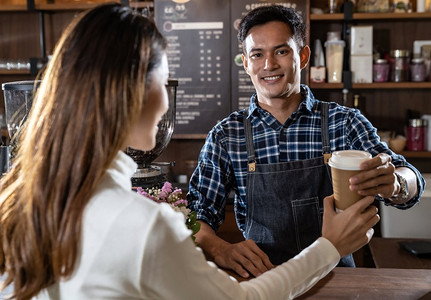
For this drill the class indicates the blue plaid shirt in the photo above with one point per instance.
(222, 165)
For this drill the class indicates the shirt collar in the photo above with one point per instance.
(253, 105)
(308, 101)
(306, 105)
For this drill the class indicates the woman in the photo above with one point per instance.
(71, 228)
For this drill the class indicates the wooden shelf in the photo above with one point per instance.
(372, 16)
(416, 154)
(13, 7)
(14, 72)
(70, 6)
(141, 4)
(326, 17)
(393, 85)
(326, 86)
(374, 85)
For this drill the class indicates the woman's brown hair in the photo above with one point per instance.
(91, 94)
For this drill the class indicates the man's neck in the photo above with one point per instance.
(282, 108)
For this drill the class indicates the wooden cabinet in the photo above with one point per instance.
(28, 35)
(30, 29)
(385, 104)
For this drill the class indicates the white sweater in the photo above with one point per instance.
(134, 248)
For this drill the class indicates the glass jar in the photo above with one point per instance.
(399, 65)
(417, 134)
(418, 69)
(334, 60)
(380, 70)
(401, 6)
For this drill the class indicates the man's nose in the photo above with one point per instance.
(270, 63)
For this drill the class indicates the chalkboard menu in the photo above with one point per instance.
(205, 57)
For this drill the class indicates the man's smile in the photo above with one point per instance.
(272, 78)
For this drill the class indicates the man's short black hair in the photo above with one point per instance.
(265, 14)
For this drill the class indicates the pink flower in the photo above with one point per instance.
(177, 191)
(144, 193)
(163, 194)
(167, 187)
(166, 194)
(181, 202)
(172, 197)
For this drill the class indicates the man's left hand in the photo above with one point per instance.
(377, 177)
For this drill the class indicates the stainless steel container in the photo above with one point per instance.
(399, 65)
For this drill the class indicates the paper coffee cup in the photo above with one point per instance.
(345, 164)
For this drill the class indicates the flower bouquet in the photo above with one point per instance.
(171, 196)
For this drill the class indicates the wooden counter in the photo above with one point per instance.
(373, 284)
(370, 284)
(387, 253)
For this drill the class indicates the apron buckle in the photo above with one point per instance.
(252, 166)
(326, 157)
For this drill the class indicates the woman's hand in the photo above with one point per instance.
(350, 229)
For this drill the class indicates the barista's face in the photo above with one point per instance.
(274, 61)
(143, 135)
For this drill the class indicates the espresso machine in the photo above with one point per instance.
(151, 174)
(18, 97)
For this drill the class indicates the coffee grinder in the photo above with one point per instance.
(151, 174)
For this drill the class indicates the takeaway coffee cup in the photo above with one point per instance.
(344, 164)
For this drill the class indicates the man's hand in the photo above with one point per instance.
(350, 229)
(244, 258)
(377, 178)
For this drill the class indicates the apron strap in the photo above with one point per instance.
(249, 143)
(324, 111)
(326, 146)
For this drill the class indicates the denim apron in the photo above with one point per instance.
(285, 200)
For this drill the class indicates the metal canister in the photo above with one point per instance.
(399, 65)
(417, 134)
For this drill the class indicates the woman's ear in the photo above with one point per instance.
(304, 55)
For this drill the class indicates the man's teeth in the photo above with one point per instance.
(271, 78)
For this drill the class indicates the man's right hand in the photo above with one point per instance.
(244, 258)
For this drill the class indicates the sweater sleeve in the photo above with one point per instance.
(173, 266)
(297, 275)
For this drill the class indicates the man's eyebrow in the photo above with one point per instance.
(281, 46)
(255, 50)
(274, 48)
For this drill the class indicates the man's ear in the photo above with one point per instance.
(244, 62)
(304, 55)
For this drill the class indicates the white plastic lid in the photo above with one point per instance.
(348, 159)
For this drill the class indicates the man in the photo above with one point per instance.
(272, 154)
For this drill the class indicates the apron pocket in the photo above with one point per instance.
(307, 216)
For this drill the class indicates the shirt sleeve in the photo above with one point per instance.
(363, 135)
(173, 267)
(211, 182)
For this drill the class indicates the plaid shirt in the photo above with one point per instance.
(222, 165)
